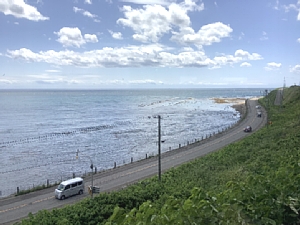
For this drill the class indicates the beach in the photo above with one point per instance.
(237, 103)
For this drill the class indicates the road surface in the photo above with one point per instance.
(13, 208)
(279, 97)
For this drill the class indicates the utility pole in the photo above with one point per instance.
(159, 150)
(92, 168)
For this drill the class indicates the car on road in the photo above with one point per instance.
(248, 129)
(259, 114)
(69, 187)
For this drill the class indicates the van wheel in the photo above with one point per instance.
(80, 192)
(62, 197)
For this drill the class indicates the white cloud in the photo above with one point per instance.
(245, 64)
(298, 40)
(148, 2)
(273, 66)
(295, 69)
(91, 38)
(71, 37)
(151, 22)
(191, 5)
(188, 4)
(239, 56)
(116, 35)
(264, 36)
(20, 9)
(6, 81)
(53, 79)
(241, 36)
(57, 81)
(53, 71)
(276, 7)
(207, 35)
(88, 2)
(187, 49)
(86, 13)
(244, 55)
(131, 56)
(289, 7)
(147, 81)
(294, 7)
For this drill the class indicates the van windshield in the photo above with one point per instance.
(61, 187)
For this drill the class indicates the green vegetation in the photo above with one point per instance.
(253, 181)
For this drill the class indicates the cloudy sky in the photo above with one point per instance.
(149, 43)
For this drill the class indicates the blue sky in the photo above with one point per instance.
(100, 44)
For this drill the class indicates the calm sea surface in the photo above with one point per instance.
(41, 132)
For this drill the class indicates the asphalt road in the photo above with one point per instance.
(279, 97)
(13, 209)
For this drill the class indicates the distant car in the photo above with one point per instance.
(258, 114)
(248, 129)
(258, 106)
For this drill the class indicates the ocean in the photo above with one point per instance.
(47, 135)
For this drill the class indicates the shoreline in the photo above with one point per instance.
(239, 104)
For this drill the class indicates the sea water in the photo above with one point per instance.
(49, 135)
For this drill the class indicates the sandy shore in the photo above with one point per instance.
(237, 103)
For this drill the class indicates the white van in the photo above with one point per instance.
(69, 187)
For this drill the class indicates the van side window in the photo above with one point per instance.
(80, 183)
(67, 187)
(74, 184)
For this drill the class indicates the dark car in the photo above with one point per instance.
(248, 129)
(258, 114)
